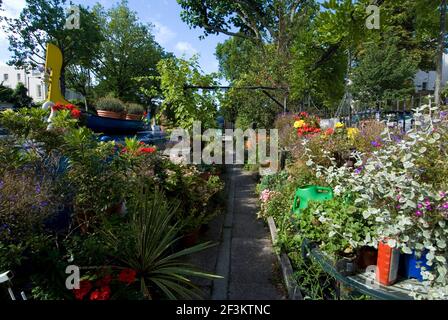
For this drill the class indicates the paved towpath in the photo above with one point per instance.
(244, 255)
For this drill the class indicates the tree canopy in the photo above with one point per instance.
(128, 52)
(42, 22)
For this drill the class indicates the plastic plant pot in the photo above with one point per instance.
(387, 264)
(412, 265)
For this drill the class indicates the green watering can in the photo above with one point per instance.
(310, 193)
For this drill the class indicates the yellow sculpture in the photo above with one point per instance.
(53, 64)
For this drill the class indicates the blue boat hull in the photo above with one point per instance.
(116, 126)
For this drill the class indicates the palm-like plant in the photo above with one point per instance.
(148, 249)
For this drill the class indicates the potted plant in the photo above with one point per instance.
(109, 107)
(134, 111)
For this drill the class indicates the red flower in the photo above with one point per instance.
(101, 294)
(124, 150)
(58, 107)
(147, 150)
(304, 114)
(70, 107)
(75, 113)
(84, 288)
(329, 131)
(127, 276)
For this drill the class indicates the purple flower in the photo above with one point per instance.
(445, 206)
(420, 206)
(359, 170)
(442, 194)
(43, 204)
(398, 207)
(443, 114)
(37, 189)
(418, 213)
(376, 144)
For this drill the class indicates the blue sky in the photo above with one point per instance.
(169, 30)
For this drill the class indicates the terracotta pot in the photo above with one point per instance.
(110, 114)
(191, 238)
(367, 256)
(134, 117)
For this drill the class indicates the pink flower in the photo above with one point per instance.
(418, 213)
(265, 195)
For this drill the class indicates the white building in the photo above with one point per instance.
(426, 81)
(33, 81)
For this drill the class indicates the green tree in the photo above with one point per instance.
(42, 22)
(129, 52)
(385, 71)
(183, 102)
(20, 96)
(6, 94)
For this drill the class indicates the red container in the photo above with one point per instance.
(387, 264)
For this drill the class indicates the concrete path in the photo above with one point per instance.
(244, 256)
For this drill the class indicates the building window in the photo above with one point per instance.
(424, 86)
(5, 77)
(19, 77)
(39, 91)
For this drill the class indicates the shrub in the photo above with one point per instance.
(25, 201)
(110, 104)
(146, 247)
(135, 109)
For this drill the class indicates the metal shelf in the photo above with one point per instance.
(364, 282)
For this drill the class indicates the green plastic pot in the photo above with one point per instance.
(310, 193)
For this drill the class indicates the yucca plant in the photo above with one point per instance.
(149, 248)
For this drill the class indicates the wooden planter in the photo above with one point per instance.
(111, 114)
(134, 117)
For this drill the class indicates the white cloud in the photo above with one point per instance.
(185, 48)
(163, 34)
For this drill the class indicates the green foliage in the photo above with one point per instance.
(128, 52)
(183, 105)
(42, 22)
(110, 104)
(6, 94)
(135, 109)
(384, 72)
(146, 248)
(20, 96)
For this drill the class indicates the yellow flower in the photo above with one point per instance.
(339, 125)
(352, 133)
(299, 124)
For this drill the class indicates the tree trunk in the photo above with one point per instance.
(62, 80)
(440, 51)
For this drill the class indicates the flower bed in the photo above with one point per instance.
(117, 212)
(388, 186)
